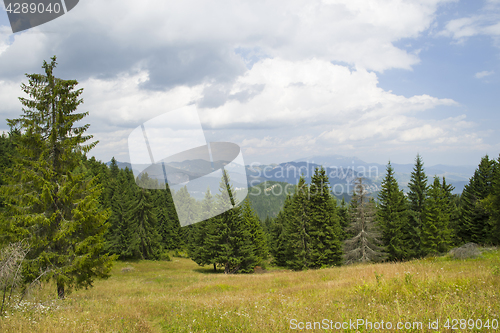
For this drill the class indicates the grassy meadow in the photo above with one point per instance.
(180, 296)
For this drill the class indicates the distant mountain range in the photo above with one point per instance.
(458, 176)
(341, 170)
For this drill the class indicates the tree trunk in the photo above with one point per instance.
(215, 267)
(60, 290)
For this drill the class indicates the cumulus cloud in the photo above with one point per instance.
(264, 74)
(310, 93)
(480, 75)
(485, 22)
(290, 108)
(193, 41)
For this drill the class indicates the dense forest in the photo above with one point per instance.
(78, 214)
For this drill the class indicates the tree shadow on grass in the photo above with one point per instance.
(207, 270)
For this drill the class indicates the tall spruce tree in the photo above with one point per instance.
(53, 202)
(279, 241)
(226, 239)
(188, 209)
(417, 196)
(7, 152)
(474, 218)
(366, 244)
(343, 212)
(258, 236)
(168, 223)
(238, 252)
(452, 212)
(142, 237)
(324, 223)
(120, 198)
(204, 242)
(492, 204)
(435, 229)
(392, 216)
(298, 239)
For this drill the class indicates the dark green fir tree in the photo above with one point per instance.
(258, 236)
(53, 202)
(392, 217)
(298, 239)
(324, 224)
(236, 252)
(142, 237)
(278, 239)
(435, 229)
(417, 197)
(474, 218)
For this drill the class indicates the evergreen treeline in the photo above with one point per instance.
(143, 223)
(394, 226)
(312, 230)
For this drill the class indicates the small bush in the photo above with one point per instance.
(466, 251)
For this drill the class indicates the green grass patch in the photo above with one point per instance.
(180, 296)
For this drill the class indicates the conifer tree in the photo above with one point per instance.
(168, 223)
(236, 253)
(343, 212)
(492, 204)
(417, 198)
(120, 202)
(268, 227)
(258, 236)
(113, 174)
(143, 239)
(365, 245)
(7, 152)
(452, 211)
(204, 242)
(224, 240)
(298, 239)
(435, 229)
(188, 209)
(279, 241)
(324, 223)
(474, 218)
(49, 190)
(392, 214)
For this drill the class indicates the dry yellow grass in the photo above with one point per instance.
(179, 296)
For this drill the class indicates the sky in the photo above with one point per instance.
(377, 79)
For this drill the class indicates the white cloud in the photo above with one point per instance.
(480, 75)
(310, 93)
(486, 22)
(138, 60)
(198, 38)
(304, 106)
